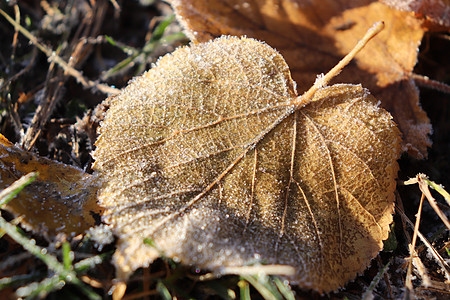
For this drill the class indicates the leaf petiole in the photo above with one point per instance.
(322, 80)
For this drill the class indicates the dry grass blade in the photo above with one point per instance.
(438, 258)
(423, 182)
(54, 90)
(51, 54)
(413, 255)
(259, 269)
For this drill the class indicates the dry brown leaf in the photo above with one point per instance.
(438, 11)
(313, 35)
(209, 155)
(61, 200)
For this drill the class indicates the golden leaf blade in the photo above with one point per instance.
(206, 155)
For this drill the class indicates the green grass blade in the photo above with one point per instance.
(122, 65)
(18, 280)
(155, 40)
(161, 28)
(40, 289)
(174, 37)
(63, 271)
(30, 246)
(369, 293)
(10, 192)
(163, 290)
(244, 290)
(90, 262)
(284, 288)
(67, 256)
(440, 189)
(264, 286)
(51, 261)
(125, 48)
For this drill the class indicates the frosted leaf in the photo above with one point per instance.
(207, 155)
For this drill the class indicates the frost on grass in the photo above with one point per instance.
(207, 156)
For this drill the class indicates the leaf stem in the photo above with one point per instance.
(322, 80)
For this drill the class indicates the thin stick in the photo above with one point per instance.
(322, 81)
(412, 252)
(425, 81)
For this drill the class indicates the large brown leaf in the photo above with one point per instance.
(438, 11)
(313, 35)
(209, 155)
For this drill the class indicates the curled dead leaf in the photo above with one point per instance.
(313, 35)
(62, 199)
(209, 155)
